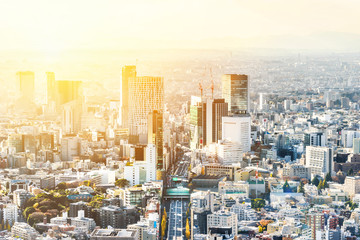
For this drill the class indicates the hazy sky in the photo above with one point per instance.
(47, 25)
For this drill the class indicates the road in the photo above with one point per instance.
(177, 215)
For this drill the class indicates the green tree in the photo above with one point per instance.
(257, 203)
(62, 186)
(286, 187)
(121, 183)
(325, 184)
(35, 217)
(28, 211)
(315, 181)
(301, 188)
(328, 177)
(350, 172)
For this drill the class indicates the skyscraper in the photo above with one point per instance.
(215, 110)
(67, 91)
(69, 101)
(51, 91)
(196, 116)
(26, 81)
(146, 94)
(206, 120)
(155, 136)
(235, 91)
(128, 73)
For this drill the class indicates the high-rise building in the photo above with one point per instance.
(212, 124)
(238, 129)
(51, 89)
(150, 157)
(356, 145)
(155, 136)
(26, 81)
(67, 91)
(196, 122)
(314, 139)
(315, 221)
(69, 101)
(146, 94)
(348, 136)
(235, 91)
(320, 160)
(206, 120)
(128, 73)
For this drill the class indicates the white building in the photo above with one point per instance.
(150, 158)
(320, 160)
(24, 231)
(296, 170)
(223, 219)
(244, 212)
(238, 129)
(10, 213)
(229, 152)
(135, 173)
(352, 185)
(348, 136)
(356, 145)
(80, 222)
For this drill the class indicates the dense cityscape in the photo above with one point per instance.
(179, 120)
(223, 159)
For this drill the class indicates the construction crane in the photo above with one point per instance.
(201, 90)
(212, 84)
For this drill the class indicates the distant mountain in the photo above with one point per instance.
(320, 41)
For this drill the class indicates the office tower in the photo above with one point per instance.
(315, 221)
(348, 136)
(356, 145)
(196, 139)
(222, 221)
(26, 81)
(155, 136)
(146, 94)
(238, 129)
(69, 101)
(16, 142)
(51, 90)
(67, 91)
(235, 91)
(213, 110)
(72, 146)
(150, 157)
(287, 104)
(320, 160)
(314, 139)
(206, 120)
(117, 217)
(128, 73)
